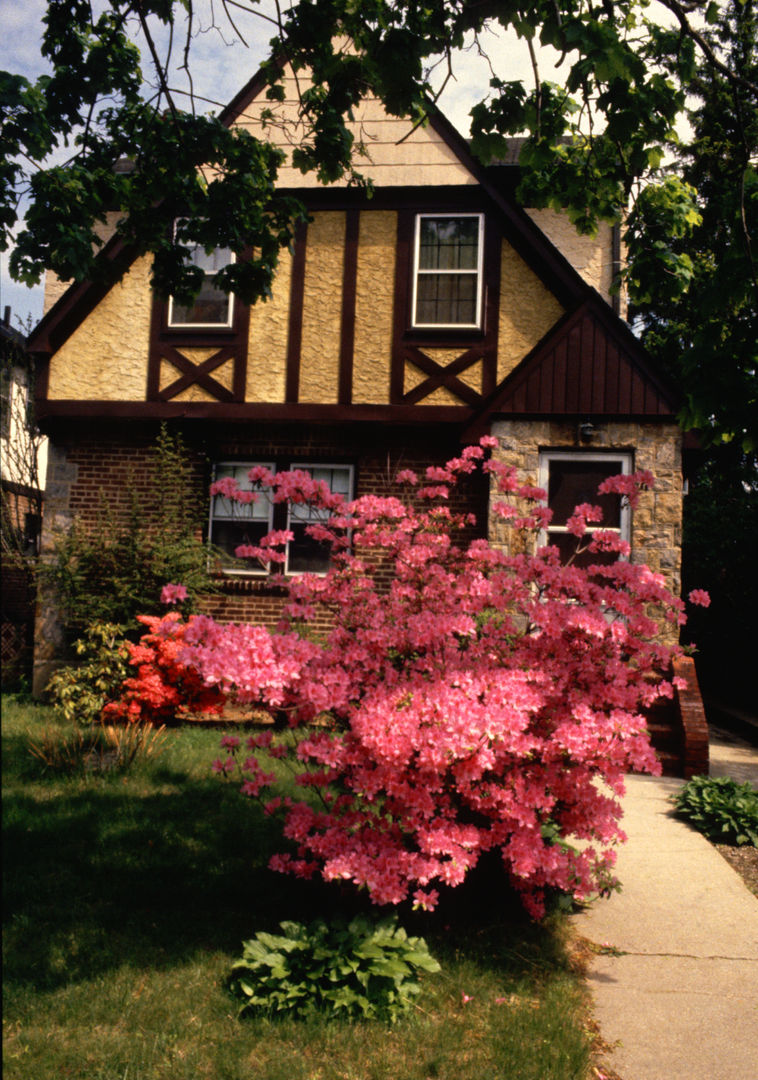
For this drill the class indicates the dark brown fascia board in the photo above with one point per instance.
(249, 91)
(537, 251)
(25, 491)
(79, 300)
(51, 411)
(616, 328)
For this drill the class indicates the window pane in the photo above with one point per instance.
(447, 243)
(212, 306)
(228, 509)
(227, 536)
(567, 545)
(574, 482)
(213, 262)
(306, 555)
(446, 299)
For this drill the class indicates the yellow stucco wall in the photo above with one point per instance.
(375, 293)
(105, 358)
(527, 311)
(267, 342)
(592, 256)
(322, 308)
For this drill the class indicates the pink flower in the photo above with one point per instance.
(173, 594)
(701, 597)
(407, 476)
(465, 998)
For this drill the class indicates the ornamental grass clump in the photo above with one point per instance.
(361, 970)
(722, 809)
(467, 699)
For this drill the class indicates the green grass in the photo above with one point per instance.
(128, 894)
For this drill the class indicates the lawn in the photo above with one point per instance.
(128, 894)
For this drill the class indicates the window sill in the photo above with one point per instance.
(243, 583)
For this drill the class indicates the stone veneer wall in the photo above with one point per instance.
(656, 531)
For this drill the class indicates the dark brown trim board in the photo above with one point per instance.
(295, 332)
(349, 288)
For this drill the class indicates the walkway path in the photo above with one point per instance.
(680, 1002)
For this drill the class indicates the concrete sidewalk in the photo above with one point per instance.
(680, 1002)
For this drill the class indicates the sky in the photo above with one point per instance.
(222, 66)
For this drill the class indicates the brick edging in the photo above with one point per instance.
(692, 715)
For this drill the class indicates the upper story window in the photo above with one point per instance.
(212, 307)
(573, 478)
(447, 271)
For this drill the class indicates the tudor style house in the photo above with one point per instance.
(400, 327)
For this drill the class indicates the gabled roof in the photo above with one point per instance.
(589, 364)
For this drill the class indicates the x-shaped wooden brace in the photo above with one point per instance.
(442, 376)
(197, 374)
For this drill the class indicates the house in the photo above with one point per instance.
(400, 327)
(22, 472)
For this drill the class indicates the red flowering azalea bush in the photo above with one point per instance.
(467, 703)
(164, 685)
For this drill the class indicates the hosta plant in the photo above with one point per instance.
(723, 810)
(359, 970)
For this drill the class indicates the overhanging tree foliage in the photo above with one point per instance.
(707, 337)
(594, 143)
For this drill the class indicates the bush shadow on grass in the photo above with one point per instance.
(98, 877)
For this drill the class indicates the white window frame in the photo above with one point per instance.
(624, 460)
(245, 467)
(478, 273)
(201, 325)
(310, 467)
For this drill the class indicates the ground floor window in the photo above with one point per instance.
(573, 477)
(233, 524)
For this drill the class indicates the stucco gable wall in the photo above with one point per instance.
(105, 358)
(591, 256)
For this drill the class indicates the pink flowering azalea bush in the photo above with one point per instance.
(468, 702)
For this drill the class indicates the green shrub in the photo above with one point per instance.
(114, 570)
(80, 692)
(362, 970)
(720, 808)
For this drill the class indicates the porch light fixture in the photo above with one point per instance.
(587, 432)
